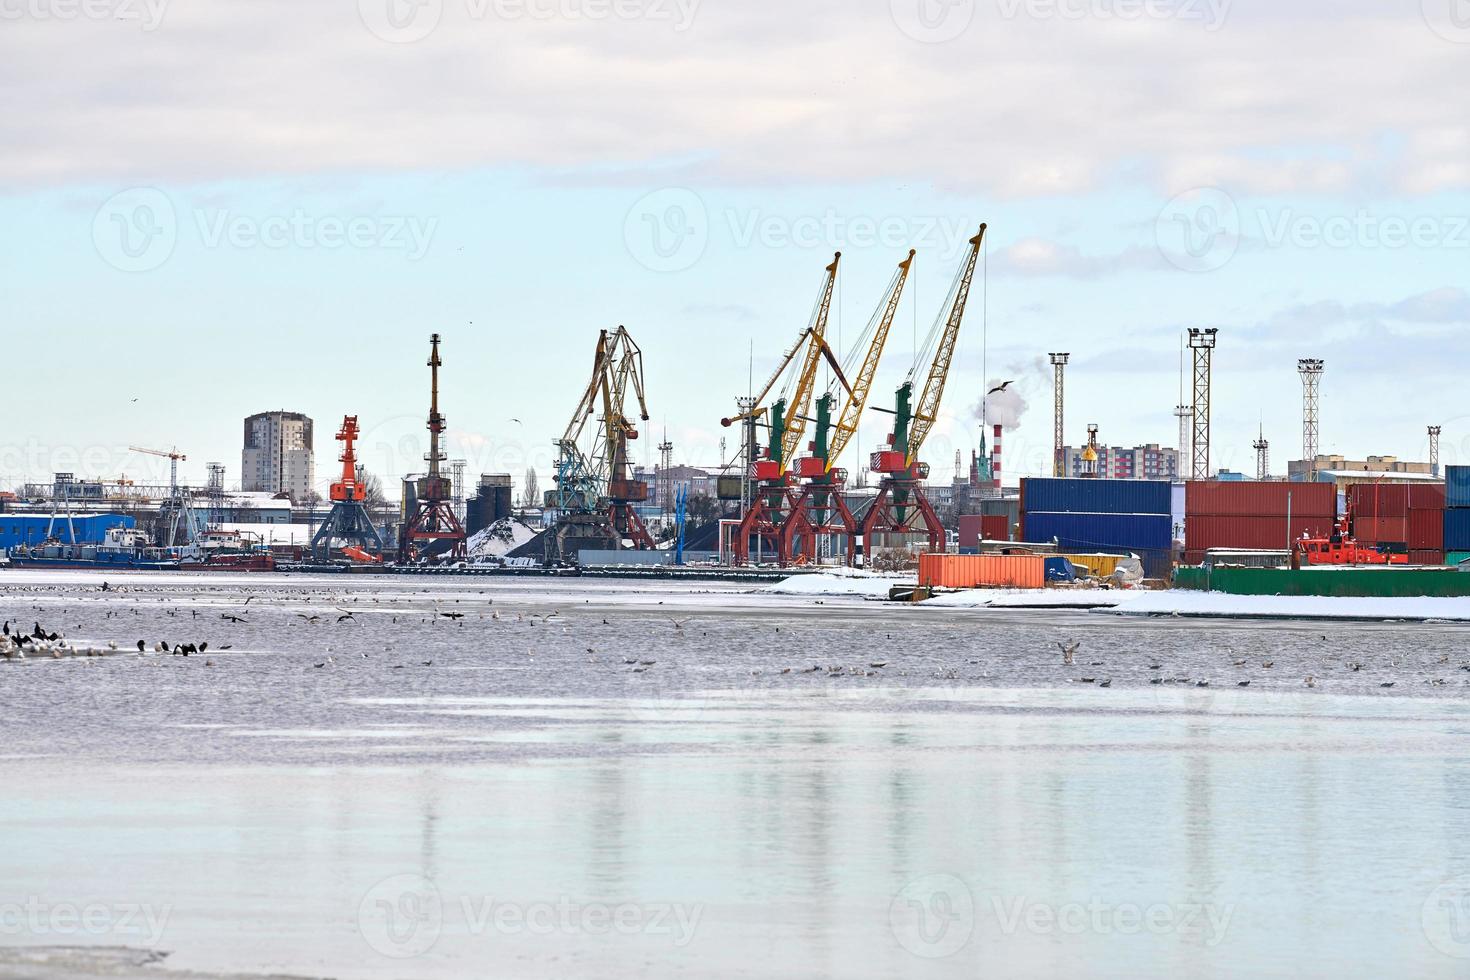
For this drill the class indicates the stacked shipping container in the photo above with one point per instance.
(1457, 509)
(1257, 516)
(1400, 518)
(1110, 516)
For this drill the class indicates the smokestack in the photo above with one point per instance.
(995, 459)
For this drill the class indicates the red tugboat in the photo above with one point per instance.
(1340, 548)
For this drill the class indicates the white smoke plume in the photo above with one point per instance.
(1006, 406)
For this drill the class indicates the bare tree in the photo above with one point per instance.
(533, 492)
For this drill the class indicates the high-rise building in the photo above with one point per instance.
(278, 455)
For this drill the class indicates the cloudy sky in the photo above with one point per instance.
(220, 207)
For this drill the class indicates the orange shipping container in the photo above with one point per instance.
(982, 571)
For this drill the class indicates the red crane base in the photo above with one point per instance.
(901, 508)
(628, 524)
(432, 520)
(765, 521)
(819, 509)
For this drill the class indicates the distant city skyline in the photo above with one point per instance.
(213, 236)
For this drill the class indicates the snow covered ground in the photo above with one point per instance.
(839, 582)
(500, 538)
(1135, 602)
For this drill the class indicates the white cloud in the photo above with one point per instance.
(758, 92)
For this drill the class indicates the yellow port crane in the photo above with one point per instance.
(786, 420)
(901, 506)
(179, 504)
(820, 508)
(594, 482)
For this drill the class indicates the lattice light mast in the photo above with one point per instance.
(1202, 343)
(1434, 449)
(1263, 456)
(1059, 366)
(1311, 371)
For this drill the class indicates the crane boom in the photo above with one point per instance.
(616, 362)
(928, 409)
(796, 410)
(857, 396)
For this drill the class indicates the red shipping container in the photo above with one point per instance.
(1393, 530)
(995, 527)
(1417, 557)
(970, 529)
(1204, 531)
(1393, 499)
(1252, 499)
(1426, 530)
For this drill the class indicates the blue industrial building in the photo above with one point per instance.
(30, 529)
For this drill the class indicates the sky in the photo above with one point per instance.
(222, 207)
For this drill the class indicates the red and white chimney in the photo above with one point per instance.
(995, 458)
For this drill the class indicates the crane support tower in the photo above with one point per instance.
(819, 510)
(1310, 369)
(595, 496)
(432, 528)
(901, 507)
(348, 527)
(1202, 342)
(1058, 415)
(774, 496)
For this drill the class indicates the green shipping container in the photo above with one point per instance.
(1455, 557)
(1326, 581)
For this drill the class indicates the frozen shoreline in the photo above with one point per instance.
(1141, 602)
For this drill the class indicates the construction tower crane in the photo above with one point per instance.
(774, 497)
(820, 508)
(179, 504)
(901, 506)
(432, 523)
(594, 492)
(348, 523)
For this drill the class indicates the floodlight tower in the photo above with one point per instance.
(1263, 456)
(1058, 436)
(1434, 431)
(1311, 371)
(1202, 342)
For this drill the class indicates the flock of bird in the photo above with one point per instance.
(43, 643)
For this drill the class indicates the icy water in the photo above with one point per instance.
(501, 792)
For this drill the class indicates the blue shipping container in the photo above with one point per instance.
(1149, 536)
(1457, 528)
(1097, 496)
(1457, 486)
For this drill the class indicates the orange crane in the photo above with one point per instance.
(431, 528)
(348, 522)
(901, 506)
(820, 508)
(786, 418)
